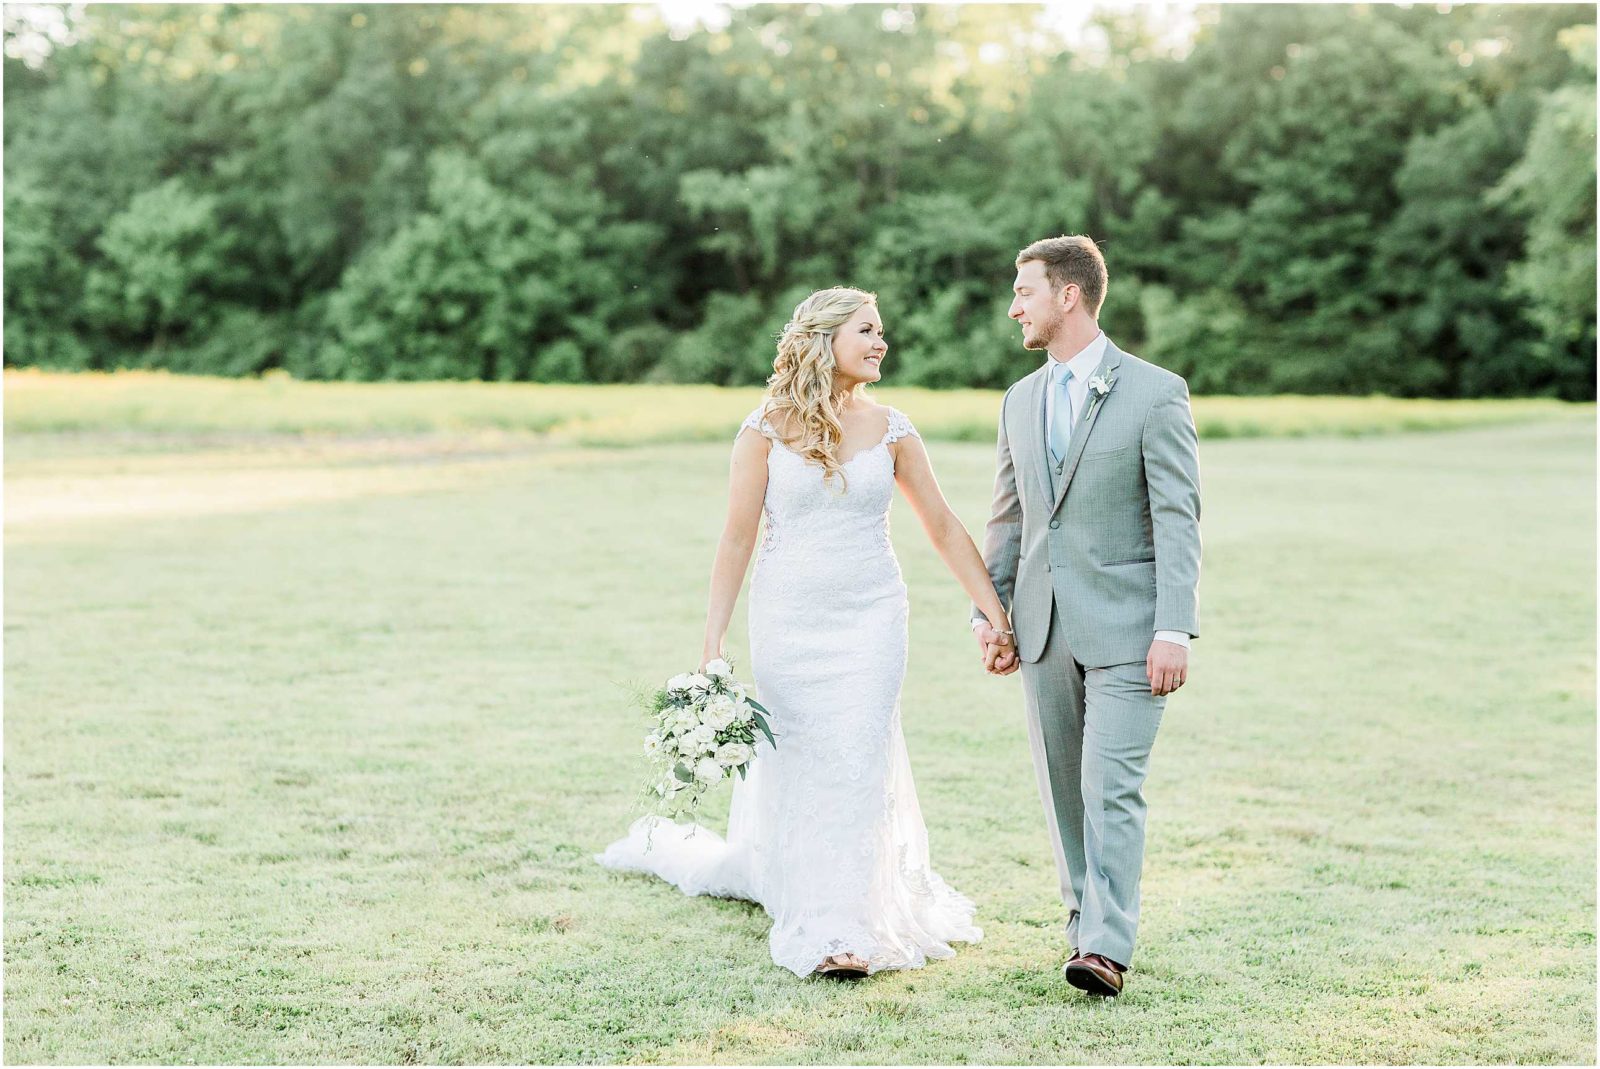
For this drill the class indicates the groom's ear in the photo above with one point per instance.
(1071, 296)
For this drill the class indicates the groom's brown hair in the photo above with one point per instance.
(1071, 258)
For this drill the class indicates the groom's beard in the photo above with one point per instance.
(1043, 334)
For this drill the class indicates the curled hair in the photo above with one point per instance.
(803, 402)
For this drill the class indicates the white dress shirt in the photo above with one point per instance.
(1083, 367)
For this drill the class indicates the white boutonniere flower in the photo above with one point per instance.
(1099, 386)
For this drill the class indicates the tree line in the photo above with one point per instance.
(1309, 199)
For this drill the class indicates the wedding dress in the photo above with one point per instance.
(825, 833)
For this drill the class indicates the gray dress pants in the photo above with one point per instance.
(1091, 731)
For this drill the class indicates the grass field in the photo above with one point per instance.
(146, 402)
(309, 741)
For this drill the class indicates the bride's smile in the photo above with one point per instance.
(859, 348)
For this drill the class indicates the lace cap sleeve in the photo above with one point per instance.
(899, 426)
(757, 421)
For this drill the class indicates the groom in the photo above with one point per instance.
(1094, 542)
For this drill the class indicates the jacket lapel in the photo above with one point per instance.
(1040, 439)
(1085, 427)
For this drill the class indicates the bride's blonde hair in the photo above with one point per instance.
(802, 401)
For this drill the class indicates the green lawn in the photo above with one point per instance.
(309, 742)
(147, 402)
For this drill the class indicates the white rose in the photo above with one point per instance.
(699, 682)
(679, 682)
(733, 754)
(652, 745)
(719, 667)
(688, 745)
(704, 737)
(746, 713)
(708, 771)
(720, 712)
(685, 720)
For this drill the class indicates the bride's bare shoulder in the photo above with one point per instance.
(784, 422)
(870, 413)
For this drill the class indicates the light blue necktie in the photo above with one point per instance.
(1061, 425)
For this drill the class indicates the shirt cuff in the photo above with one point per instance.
(1179, 637)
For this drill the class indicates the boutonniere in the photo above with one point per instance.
(1100, 385)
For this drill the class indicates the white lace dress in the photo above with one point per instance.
(825, 833)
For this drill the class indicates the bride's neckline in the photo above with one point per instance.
(881, 443)
(859, 453)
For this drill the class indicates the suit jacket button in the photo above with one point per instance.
(1054, 524)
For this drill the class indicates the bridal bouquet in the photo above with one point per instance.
(706, 726)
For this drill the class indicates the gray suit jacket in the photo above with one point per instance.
(1116, 548)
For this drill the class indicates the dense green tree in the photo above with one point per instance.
(1302, 197)
(1441, 262)
(1553, 184)
(158, 256)
(483, 284)
(44, 278)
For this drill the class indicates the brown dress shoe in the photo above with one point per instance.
(1096, 974)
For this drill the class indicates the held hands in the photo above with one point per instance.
(999, 651)
(1166, 666)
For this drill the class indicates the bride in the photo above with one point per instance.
(825, 832)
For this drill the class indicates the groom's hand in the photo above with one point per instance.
(1166, 666)
(999, 655)
(1001, 660)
